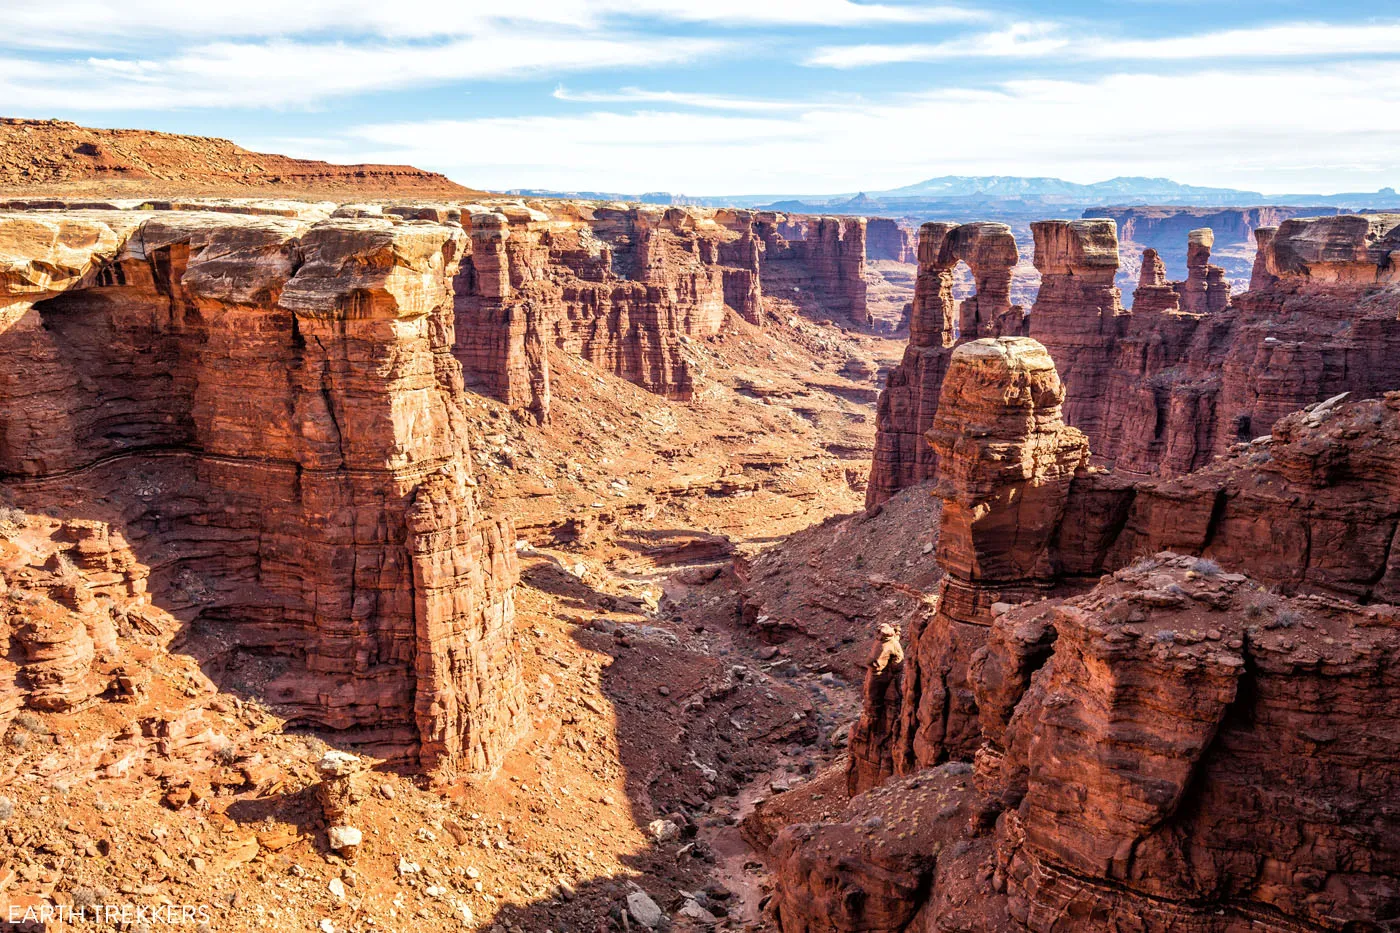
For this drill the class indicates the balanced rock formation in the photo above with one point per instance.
(1190, 370)
(1200, 743)
(269, 413)
(1007, 463)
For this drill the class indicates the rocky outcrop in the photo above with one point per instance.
(1312, 508)
(68, 589)
(1198, 754)
(1078, 314)
(270, 413)
(1201, 741)
(1167, 230)
(1190, 370)
(889, 239)
(1007, 462)
(938, 322)
(620, 291)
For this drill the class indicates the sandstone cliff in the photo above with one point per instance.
(1166, 229)
(819, 262)
(938, 322)
(1198, 743)
(889, 239)
(1007, 462)
(623, 288)
(269, 412)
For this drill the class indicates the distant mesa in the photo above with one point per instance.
(58, 157)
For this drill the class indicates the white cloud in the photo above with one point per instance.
(103, 24)
(1042, 40)
(634, 95)
(298, 74)
(1299, 39)
(1081, 130)
(795, 12)
(1027, 40)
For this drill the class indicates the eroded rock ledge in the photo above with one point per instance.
(1203, 739)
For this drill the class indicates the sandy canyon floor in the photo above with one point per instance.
(692, 645)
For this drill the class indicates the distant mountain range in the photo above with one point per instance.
(1015, 186)
(994, 196)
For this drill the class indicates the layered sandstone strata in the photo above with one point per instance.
(270, 413)
(889, 239)
(1166, 230)
(1190, 369)
(59, 155)
(1175, 750)
(1313, 508)
(817, 262)
(1200, 743)
(623, 287)
(1078, 312)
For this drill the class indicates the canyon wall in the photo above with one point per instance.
(889, 239)
(57, 156)
(617, 287)
(816, 262)
(1200, 740)
(622, 287)
(1168, 227)
(1190, 369)
(268, 414)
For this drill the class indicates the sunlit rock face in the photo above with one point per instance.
(1155, 704)
(267, 411)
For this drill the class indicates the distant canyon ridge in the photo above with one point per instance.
(1154, 213)
(66, 159)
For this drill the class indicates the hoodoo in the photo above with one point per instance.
(1189, 370)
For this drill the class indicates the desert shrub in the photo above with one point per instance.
(1287, 618)
(1144, 563)
(31, 723)
(1205, 567)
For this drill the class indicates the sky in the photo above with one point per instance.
(741, 97)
